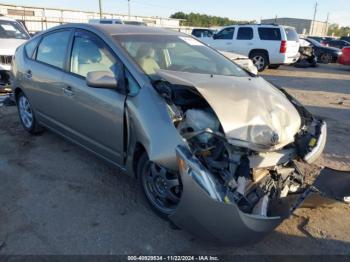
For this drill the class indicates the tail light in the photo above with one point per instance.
(283, 47)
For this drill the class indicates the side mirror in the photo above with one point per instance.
(102, 79)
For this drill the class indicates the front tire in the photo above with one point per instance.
(161, 189)
(260, 60)
(26, 114)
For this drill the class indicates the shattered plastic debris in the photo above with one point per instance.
(262, 206)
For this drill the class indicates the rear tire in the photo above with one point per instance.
(26, 115)
(326, 58)
(161, 189)
(260, 60)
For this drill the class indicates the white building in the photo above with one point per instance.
(40, 18)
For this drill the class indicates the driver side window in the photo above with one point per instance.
(226, 33)
(89, 55)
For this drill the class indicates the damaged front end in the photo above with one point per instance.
(236, 191)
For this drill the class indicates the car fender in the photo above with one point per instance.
(150, 125)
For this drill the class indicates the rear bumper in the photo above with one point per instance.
(284, 59)
(291, 59)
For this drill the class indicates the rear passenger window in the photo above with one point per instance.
(52, 49)
(30, 46)
(226, 33)
(245, 33)
(267, 33)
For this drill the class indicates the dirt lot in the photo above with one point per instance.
(55, 198)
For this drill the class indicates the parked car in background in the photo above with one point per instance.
(106, 21)
(134, 22)
(12, 35)
(307, 55)
(242, 61)
(214, 149)
(345, 38)
(116, 21)
(338, 43)
(203, 32)
(344, 59)
(324, 54)
(266, 44)
(322, 40)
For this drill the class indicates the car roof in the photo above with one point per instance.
(264, 25)
(5, 18)
(118, 29)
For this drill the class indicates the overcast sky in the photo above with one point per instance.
(235, 9)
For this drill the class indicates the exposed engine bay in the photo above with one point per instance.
(255, 181)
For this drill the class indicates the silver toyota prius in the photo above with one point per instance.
(214, 147)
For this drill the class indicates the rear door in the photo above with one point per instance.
(44, 71)
(94, 116)
(243, 42)
(271, 38)
(292, 42)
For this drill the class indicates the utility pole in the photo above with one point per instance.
(100, 7)
(129, 9)
(313, 21)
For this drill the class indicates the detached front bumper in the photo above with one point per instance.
(200, 214)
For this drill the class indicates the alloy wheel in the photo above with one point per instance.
(25, 112)
(162, 188)
(259, 62)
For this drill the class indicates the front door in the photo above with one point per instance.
(223, 40)
(93, 116)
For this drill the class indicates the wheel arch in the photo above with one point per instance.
(16, 92)
(259, 50)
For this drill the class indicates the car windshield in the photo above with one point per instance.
(12, 29)
(176, 53)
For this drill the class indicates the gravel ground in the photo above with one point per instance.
(56, 198)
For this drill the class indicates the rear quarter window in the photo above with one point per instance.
(30, 47)
(291, 34)
(269, 33)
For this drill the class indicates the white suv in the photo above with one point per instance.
(266, 44)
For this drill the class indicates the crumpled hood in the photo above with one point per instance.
(8, 46)
(252, 112)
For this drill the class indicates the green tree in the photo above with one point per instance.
(336, 30)
(203, 20)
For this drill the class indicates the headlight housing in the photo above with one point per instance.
(189, 165)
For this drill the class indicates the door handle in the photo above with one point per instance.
(68, 91)
(28, 74)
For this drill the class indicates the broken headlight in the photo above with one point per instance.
(189, 165)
